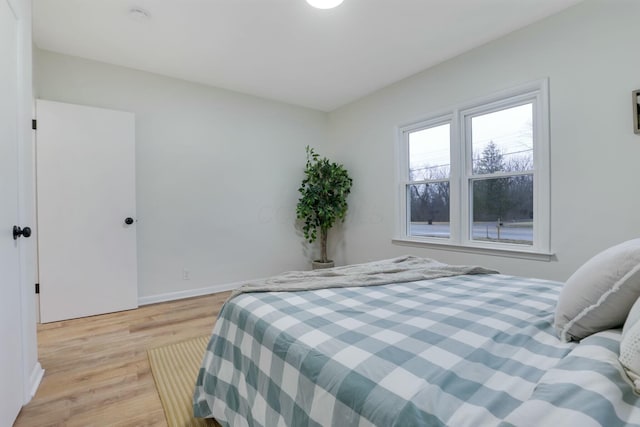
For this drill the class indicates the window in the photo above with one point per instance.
(428, 186)
(477, 176)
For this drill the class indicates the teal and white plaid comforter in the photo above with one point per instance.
(456, 351)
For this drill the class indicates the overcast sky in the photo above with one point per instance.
(509, 129)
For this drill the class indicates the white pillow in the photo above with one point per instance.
(600, 293)
(630, 345)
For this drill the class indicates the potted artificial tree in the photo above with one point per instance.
(323, 200)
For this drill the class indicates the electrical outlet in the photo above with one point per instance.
(186, 274)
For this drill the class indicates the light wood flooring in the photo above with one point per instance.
(96, 369)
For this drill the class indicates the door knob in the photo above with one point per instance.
(17, 232)
(128, 220)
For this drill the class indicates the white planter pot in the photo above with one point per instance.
(317, 265)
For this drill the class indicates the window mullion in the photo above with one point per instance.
(480, 177)
(466, 163)
(457, 167)
(427, 181)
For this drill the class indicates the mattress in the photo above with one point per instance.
(467, 350)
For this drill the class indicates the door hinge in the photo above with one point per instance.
(34, 124)
(37, 288)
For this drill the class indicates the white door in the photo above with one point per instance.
(86, 196)
(11, 383)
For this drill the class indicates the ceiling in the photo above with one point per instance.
(283, 50)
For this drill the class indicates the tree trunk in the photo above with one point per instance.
(323, 245)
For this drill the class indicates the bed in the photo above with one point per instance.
(431, 346)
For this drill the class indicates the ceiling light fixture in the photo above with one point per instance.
(139, 14)
(324, 4)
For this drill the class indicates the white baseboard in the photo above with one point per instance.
(172, 296)
(37, 373)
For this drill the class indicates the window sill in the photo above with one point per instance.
(492, 251)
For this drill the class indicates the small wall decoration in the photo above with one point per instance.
(635, 100)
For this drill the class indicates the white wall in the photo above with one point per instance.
(217, 172)
(589, 52)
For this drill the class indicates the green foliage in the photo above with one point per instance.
(491, 196)
(509, 198)
(323, 199)
(491, 161)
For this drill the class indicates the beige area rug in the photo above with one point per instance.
(175, 369)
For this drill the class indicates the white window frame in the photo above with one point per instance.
(460, 179)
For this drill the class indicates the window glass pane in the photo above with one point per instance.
(429, 209)
(502, 141)
(503, 209)
(429, 153)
